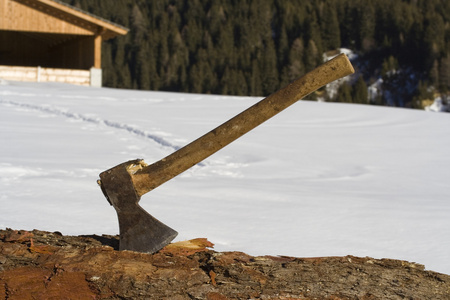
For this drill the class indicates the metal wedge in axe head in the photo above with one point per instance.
(124, 184)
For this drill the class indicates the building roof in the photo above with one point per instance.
(114, 27)
(76, 20)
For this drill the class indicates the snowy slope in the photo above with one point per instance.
(319, 179)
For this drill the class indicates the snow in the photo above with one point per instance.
(437, 106)
(319, 179)
(375, 90)
(350, 54)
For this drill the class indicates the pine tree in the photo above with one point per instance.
(124, 79)
(226, 50)
(270, 82)
(296, 66)
(178, 59)
(359, 92)
(226, 82)
(366, 21)
(331, 34)
(434, 37)
(422, 93)
(434, 73)
(138, 24)
(241, 84)
(389, 64)
(311, 56)
(312, 34)
(444, 73)
(344, 94)
(143, 69)
(109, 76)
(283, 48)
(255, 82)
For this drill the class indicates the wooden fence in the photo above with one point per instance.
(90, 77)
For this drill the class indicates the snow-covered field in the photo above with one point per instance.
(319, 179)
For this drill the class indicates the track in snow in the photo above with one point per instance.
(93, 120)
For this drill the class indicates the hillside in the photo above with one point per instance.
(252, 48)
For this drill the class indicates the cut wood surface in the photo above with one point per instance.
(43, 265)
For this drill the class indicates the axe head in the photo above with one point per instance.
(139, 231)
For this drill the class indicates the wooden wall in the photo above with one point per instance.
(26, 15)
(38, 74)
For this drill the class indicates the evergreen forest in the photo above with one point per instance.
(254, 47)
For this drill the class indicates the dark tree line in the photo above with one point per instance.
(254, 47)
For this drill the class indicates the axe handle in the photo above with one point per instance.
(151, 176)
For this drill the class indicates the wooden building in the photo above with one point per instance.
(48, 40)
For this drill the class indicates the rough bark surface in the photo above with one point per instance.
(44, 265)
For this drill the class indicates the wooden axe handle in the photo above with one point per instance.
(147, 177)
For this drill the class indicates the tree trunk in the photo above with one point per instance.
(43, 265)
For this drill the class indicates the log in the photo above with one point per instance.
(44, 265)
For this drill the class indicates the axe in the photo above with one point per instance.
(124, 184)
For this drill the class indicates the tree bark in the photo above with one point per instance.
(44, 265)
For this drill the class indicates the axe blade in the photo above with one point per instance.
(139, 231)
